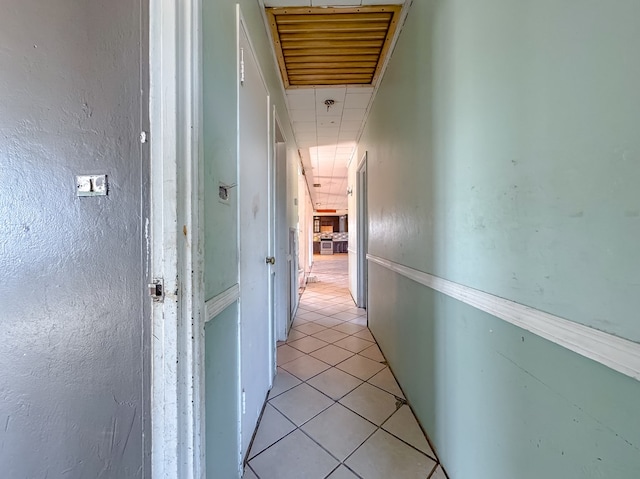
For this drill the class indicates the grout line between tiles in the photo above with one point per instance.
(314, 300)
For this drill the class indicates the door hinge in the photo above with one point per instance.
(156, 290)
(242, 66)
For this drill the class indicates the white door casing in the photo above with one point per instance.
(363, 230)
(174, 235)
(281, 244)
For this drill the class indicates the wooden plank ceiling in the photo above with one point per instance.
(332, 46)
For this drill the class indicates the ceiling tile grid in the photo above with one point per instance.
(326, 136)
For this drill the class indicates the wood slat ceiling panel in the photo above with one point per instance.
(326, 59)
(332, 46)
(335, 53)
(339, 45)
(333, 36)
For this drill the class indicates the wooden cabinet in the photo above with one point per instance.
(321, 224)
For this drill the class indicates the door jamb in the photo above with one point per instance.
(362, 229)
(279, 243)
(177, 392)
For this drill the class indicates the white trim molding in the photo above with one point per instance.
(177, 339)
(616, 353)
(219, 303)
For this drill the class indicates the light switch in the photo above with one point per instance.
(91, 185)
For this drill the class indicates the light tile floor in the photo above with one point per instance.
(335, 410)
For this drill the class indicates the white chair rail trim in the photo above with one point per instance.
(219, 303)
(616, 353)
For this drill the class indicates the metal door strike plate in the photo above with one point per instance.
(91, 185)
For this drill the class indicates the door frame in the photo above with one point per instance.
(281, 229)
(293, 275)
(175, 239)
(362, 229)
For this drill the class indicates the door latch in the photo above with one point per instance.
(156, 290)
(270, 260)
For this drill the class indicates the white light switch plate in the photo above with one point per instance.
(91, 185)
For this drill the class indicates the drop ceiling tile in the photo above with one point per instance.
(353, 114)
(327, 148)
(359, 89)
(357, 100)
(336, 94)
(332, 121)
(348, 135)
(302, 115)
(328, 140)
(322, 111)
(304, 126)
(326, 131)
(350, 125)
(344, 149)
(301, 102)
(305, 134)
(342, 189)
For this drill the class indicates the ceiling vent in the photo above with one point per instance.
(332, 46)
(317, 185)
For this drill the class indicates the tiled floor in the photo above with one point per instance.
(335, 410)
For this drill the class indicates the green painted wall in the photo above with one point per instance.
(220, 131)
(504, 155)
(221, 391)
(220, 144)
(518, 125)
(220, 220)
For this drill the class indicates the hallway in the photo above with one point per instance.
(335, 410)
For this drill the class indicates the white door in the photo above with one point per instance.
(256, 340)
